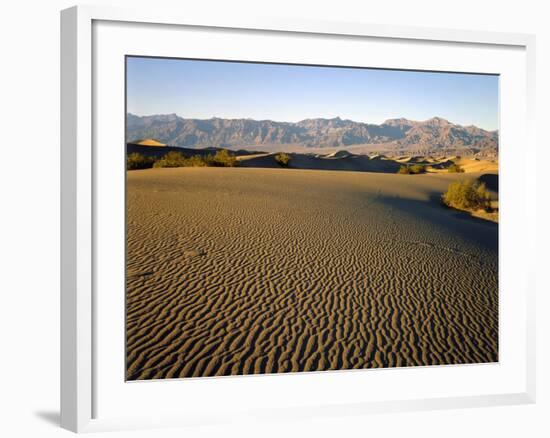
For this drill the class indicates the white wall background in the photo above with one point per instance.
(29, 218)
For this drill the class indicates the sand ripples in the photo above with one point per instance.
(241, 271)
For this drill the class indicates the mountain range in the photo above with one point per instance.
(433, 135)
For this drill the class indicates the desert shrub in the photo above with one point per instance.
(404, 170)
(417, 168)
(469, 194)
(282, 159)
(136, 161)
(455, 168)
(412, 170)
(195, 161)
(221, 158)
(171, 159)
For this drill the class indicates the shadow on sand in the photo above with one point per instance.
(453, 222)
(347, 162)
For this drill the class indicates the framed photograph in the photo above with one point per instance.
(282, 219)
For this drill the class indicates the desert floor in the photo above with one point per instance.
(253, 270)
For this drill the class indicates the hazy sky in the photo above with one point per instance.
(205, 89)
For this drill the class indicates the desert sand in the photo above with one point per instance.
(265, 270)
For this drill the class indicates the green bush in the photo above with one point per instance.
(403, 170)
(418, 168)
(412, 170)
(469, 194)
(282, 159)
(221, 158)
(136, 161)
(195, 161)
(455, 168)
(171, 159)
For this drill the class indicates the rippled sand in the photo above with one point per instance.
(242, 270)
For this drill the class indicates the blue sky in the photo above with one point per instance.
(205, 89)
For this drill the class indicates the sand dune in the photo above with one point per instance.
(339, 154)
(150, 142)
(476, 165)
(335, 161)
(243, 270)
(412, 159)
(344, 160)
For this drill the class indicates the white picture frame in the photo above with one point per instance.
(79, 199)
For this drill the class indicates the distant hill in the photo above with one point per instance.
(433, 135)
